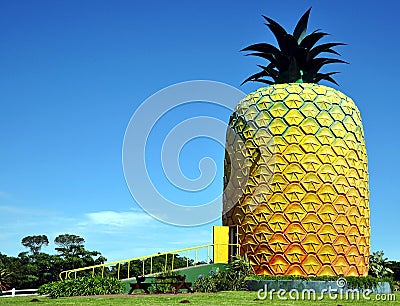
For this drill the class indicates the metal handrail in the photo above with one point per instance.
(67, 273)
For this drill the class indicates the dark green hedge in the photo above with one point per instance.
(82, 286)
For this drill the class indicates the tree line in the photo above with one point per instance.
(33, 268)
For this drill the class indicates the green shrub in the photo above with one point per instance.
(237, 271)
(82, 286)
(163, 285)
(232, 279)
(215, 281)
(379, 266)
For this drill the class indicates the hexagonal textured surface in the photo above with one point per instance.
(302, 176)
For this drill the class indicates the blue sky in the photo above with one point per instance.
(73, 73)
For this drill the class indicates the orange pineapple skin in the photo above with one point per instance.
(304, 206)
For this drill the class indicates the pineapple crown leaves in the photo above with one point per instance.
(296, 59)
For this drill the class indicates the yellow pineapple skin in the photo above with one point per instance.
(304, 208)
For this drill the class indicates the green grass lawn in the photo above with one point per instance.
(221, 298)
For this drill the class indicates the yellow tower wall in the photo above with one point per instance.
(296, 182)
(221, 244)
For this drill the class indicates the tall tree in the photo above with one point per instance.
(67, 240)
(69, 245)
(35, 243)
(72, 250)
(33, 268)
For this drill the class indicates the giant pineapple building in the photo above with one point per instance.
(297, 168)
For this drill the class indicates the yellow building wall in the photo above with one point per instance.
(221, 244)
(296, 182)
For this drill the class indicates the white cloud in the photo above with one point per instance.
(118, 219)
(109, 232)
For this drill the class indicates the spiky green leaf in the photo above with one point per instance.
(325, 76)
(255, 77)
(324, 48)
(279, 35)
(311, 39)
(270, 71)
(268, 56)
(301, 28)
(262, 47)
(278, 27)
(330, 79)
(316, 64)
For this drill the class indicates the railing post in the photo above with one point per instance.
(187, 259)
(93, 272)
(102, 271)
(129, 268)
(166, 262)
(13, 292)
(119, 268)
(172, 262)
(143, 266)
(151, 265)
